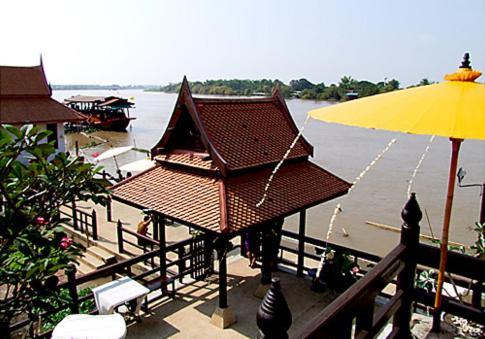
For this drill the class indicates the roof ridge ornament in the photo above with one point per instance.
(464, 72)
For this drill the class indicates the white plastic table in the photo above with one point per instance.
(117, 292)
(82, 326)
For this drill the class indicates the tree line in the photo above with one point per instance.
(346, 88)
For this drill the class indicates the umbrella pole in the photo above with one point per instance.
(444, 235)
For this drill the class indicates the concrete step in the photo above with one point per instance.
(91, 261)
(82, 268)
(100, 253)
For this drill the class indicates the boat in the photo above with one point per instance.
(107, 113)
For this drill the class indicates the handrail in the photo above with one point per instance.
(350, 303)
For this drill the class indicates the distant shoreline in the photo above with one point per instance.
(98, 87)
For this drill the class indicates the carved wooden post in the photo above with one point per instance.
(71, 285)
(411, 215)
(119, 232)
(274, 317)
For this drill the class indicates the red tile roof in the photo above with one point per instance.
(25, 97)
(239, 134)
(196, 199)
(187, 159)
(23, 81)
(35, 110)
(249, 132)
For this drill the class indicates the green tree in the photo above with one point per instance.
(347, 83)
(33, 246)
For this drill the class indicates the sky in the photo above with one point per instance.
(157, 42)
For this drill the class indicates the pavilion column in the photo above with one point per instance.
(160, 226)
(222, 256)
(223, 316)
(301, 244)
(266, 254)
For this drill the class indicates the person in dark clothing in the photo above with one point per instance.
(251, 246)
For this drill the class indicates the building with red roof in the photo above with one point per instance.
(215, 158)
(26, 98)
(213, 163)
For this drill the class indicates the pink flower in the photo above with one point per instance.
(355, 269)
(65, 243)
(41, 221)
(95, 155)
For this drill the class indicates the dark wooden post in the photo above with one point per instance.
(108, 210)
(301, 244)
(266, 255)
(181, 264)
(74, 215)
(160, 222)
(222, 256)
(411, 214)
(119, 232)
(94, 221)
(71, 286)
(208, 248)
(155, 229)
(274, 316)
(76, 147)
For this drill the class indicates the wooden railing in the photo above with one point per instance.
(355, 313)
(81, 221)
(155, 278)
(184, 251)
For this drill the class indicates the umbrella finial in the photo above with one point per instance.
(466, 61)
(465, 72)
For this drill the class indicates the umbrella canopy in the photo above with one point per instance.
(451, 109)
(138, 166)
(112, 152)
(454, 109)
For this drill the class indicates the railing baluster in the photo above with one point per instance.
(71, 286)
(119, 232)
(94, 224)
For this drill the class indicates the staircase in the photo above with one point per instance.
(94, 258)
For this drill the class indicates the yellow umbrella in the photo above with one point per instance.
(454, 109)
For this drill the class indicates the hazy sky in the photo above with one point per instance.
(156, 42)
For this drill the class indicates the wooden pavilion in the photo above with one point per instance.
(213, 163)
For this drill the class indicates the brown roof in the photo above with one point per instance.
(35, 110)
(229, 204)
(249, 132)
(23, 81)
(195, 160)
(238, 134)
(25, 97)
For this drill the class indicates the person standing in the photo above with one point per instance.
(142, 229)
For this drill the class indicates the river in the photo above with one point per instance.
(345, 151)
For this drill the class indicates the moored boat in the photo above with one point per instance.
(107, 113)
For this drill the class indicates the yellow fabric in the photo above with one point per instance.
(451, 109)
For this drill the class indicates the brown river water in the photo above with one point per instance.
(346, 151)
